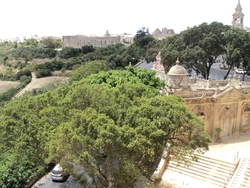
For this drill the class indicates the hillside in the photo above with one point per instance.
(6, 85)
(43, 82)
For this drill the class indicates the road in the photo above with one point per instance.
(218, 74)
(27, 87)
(215, 73)
(46, 182)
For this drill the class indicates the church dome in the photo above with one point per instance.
(177, 69)
(157, 32)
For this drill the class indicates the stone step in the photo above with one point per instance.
(201, 168)
(209, 163)
(217, 161)
(198, 175)
(206, 169)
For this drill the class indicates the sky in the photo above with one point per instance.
(93, 17)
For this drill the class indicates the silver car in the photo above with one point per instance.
(240, 71)
(58, 174)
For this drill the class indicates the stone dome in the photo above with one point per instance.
(177, 69)
(177, 77)
(157, 32)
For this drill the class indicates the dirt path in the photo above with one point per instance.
(27, 87)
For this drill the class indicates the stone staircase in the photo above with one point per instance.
(206, 169)
(241, 177)
(246, 181)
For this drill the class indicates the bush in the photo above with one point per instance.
(22, 72)
(43, 73)
(33, 52)
(68, 52)
(86, 49)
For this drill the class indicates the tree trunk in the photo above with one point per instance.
(243, 77)
(228, 71)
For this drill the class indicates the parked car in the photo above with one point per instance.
(58, 174)
(240, 71)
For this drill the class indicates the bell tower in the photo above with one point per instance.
(238, 17)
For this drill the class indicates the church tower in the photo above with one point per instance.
(238, 17)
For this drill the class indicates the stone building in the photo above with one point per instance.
(81, 40)
(221, 104)
(238, 17)
(77, 41)
(157, 34)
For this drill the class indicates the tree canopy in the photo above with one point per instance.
(238, 47)
(197, 47)
(115, 130)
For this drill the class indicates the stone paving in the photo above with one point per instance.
(230, 149)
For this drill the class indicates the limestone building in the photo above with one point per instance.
(219, 103)
(162, 34)
(238, 17)
(78, 41)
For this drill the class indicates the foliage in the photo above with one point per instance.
(33, 52)
(46, 69)
(76, 124)
(23, 72)
(238, 47)
(142, 32)
(43, 73)
(7, 95)
(132, 75)
(154, 47)
(72, 63)
(87, 69)
(15, 174)
(198, 47)
(218, 130)
(51, 42)
(68, 52)
(86, 49)
(143, 42)
(31, 42)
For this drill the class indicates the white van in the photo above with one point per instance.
(58, 174)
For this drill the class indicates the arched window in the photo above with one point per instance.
(247, 109)
(201, 114)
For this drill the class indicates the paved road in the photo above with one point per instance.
(218, 74)
(46, 182)
(215, 73)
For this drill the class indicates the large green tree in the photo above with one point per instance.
(238, 47)
(113, 124)
(132, 131)
(197, 47)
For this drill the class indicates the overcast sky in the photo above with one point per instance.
(72, 17)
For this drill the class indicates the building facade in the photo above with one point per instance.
(78, 41)
(81, 40)
(221, 104)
